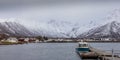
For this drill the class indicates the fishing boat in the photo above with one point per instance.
(83, 47)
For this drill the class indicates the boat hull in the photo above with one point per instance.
(82, 49)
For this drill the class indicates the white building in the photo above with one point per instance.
(12, 39)
(26, 39)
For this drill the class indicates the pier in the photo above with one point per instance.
(96, 54)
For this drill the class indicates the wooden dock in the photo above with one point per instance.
(98, 55)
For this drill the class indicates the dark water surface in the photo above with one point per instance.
(47, 51)
(39, 51)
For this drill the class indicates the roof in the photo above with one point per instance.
(83, 43)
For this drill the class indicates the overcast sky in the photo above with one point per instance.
(66, 10)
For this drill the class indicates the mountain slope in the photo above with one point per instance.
(61, 29)
(14, 29)
(109, 30)
(55, 29)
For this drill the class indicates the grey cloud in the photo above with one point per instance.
(26, 3)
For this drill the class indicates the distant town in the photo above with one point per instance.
(8, 40)
(25, 40)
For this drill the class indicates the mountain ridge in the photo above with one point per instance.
(14, 29)
(109, 30)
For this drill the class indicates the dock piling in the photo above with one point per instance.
(112, 54)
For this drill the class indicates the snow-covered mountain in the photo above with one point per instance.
(109, 30)
(61, 29)
(51, 28)
(54, 28)
(14, 29)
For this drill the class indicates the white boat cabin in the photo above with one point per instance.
(83, 45)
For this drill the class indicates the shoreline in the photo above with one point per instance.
(85, 41)
(63, 42)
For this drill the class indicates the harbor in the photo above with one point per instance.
(48, 51)
(85, 51)
(59, 30)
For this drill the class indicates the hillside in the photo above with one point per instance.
(109, 30)
(14, 29)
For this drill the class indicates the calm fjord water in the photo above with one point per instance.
(47, 51)
(39, 51)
